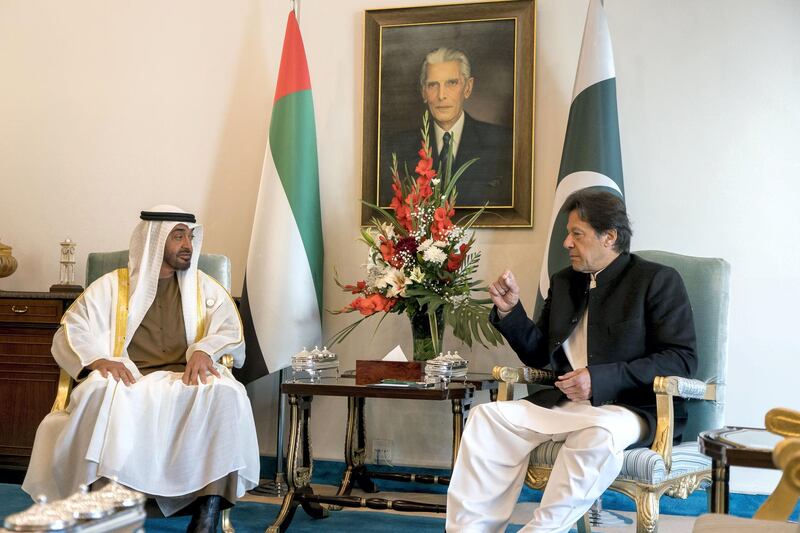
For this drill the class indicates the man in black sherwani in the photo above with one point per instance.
(610, 324)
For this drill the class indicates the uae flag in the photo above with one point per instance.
(591, 155)
(282, 296)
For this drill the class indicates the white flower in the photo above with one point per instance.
(383, 280)
(435, 181)
(457, 236)
(425, 245)
(388, 229)
(457, 299)
(434, 255)
(397, 281)
(417, 275)
(375, 272)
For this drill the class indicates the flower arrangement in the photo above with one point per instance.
(422, 263)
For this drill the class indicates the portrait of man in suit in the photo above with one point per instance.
(465, 75)
(446, 83)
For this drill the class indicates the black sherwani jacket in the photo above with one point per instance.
(640, 326)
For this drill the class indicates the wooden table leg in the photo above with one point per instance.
(719, 492)
(458, 427)
(460, 413)
(300, 465)
(355, 445)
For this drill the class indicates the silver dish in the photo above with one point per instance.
(41, 516)
(84, 506)
(311, 366)
(445, 368)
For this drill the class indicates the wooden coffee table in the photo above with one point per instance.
(734, 446)
(300, 460)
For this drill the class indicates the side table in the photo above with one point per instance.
(300, 460)
(29, 375)
(734, 446)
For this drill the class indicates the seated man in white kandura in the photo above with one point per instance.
(154, 408)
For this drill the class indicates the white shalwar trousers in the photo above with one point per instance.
(493, 460)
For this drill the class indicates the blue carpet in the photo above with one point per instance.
(330, 473)
(251, 517)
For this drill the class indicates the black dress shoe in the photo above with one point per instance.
(206, 515)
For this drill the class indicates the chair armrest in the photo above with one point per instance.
(523, 374)
(64, 389)
(685, 388)
(508, 376)
(782, 421)
(666, 388)
(781, 503)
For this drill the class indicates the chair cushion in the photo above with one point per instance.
(641, 464)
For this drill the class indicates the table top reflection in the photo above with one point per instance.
(345, 386)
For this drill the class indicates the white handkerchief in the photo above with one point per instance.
(395, 355)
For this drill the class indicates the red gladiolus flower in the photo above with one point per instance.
(424, 188)
(455, 260)
(389, 253)
(372, 304)
(358, 288)
(388, 304)
(425, 164)
(401, 210)
(363, 306)
(403, 214)
(387, 249)
(441, 224)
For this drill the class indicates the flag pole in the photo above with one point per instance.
(278, 486)
(289, 182)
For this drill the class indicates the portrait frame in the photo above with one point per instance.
(396, 42)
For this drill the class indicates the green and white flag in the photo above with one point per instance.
(591, 155)
(282, 297)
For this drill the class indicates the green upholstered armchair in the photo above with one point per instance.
(648, 473)
(97, 264)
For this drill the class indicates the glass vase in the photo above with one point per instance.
(426, 346)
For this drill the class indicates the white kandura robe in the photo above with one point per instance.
(158, 436)
(499, 438)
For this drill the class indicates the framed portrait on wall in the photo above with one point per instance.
(471, 67)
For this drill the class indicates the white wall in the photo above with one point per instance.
(107, 108)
